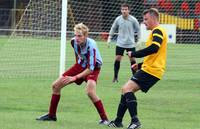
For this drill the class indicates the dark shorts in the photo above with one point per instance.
(76, 69)
(120, 50)
(144, 80)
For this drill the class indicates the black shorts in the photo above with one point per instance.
(144, 80)
(120, 50)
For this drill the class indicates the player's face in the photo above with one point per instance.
(125, 11)
(148, 20)
(80, 38)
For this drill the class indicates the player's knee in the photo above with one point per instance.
(90, 93)
(125, 89)
(56, 88)
(118, 58)
(93, 97)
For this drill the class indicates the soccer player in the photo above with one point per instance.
(148, 73)
(128, 32)
(87, 68)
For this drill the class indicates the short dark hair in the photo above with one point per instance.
(152, 12)
(125, 5)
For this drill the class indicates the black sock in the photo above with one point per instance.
(121, 109)
(131, 102)
(116, 68)
(132, 70)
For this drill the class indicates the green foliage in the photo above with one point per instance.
(172, 103)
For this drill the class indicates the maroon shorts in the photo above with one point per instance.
(76, 69)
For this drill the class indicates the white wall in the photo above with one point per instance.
(170, 28)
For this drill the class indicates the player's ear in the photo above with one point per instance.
(86, 35)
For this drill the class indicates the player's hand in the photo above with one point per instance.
(74, 78)
(108, 41)
(134, 67)
(69, 79)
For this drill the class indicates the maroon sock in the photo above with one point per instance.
(54, 104)
(100, 109)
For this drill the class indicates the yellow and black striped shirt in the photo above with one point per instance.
(155, 63)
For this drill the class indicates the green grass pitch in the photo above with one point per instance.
(28, 67)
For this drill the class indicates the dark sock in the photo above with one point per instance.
(54, 104)
(121, 109)
(132, 70)
(116, 68)
(100, 109)
(131, 102)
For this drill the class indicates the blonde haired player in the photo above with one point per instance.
(87, 68)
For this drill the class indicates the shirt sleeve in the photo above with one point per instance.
(91, 58)
(72, 44)
(157, 37)
(145, 52)
(137, 30)
(113, 28)
(153, 48)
